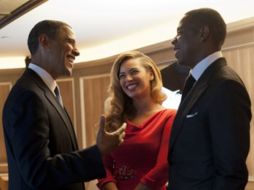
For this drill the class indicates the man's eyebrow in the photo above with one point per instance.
(71, 40)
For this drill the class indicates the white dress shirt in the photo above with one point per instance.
(45, 76)
(200, 68)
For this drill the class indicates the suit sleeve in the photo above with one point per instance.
(108, 164)
(28, 133)
(229, 119)
(158, 175)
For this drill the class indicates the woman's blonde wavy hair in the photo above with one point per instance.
(118, 105)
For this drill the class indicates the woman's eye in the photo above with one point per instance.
(121, 76)
(134, 72)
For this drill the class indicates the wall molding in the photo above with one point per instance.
(251, 178)
(238, 46)
(240, 25)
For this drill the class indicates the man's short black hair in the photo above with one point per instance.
(212, 19)
(48, 27)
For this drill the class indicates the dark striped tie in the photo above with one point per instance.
(188, 85)
(58, 96)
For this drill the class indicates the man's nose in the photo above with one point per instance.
(173, 42)
(75, 52)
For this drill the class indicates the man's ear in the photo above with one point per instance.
(204, 33)
(43, 40)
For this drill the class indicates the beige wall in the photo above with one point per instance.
(84, 92)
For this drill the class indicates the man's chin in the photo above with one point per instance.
(69, 68)
(67, 73)
(181, 62)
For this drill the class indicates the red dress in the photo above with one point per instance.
(143, 155)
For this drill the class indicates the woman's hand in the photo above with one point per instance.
(141, 186)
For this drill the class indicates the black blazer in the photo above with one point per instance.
(210, 136)
(40, 141)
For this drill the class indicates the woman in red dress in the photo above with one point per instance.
(140, 163)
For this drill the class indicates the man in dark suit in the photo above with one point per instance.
(210, 134)
(41, 145)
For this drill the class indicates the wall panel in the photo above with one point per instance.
(4, 91)
(94, 94)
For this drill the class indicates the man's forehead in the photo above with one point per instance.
(186, 23)
(68, 30)
(180, 26)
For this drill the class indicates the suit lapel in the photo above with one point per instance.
(61, 111)
(193, 96)
(184, 109)
(64, 115)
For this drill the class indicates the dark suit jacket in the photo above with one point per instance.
(210, 134)
(40, 141)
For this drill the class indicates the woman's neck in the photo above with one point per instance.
(146, 107)
(143, 110)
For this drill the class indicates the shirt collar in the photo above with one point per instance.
(200, 68)
(44, 75)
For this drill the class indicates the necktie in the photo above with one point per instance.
(58, 96)
(188, 85)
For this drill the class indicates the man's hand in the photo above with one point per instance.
(107, 141)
